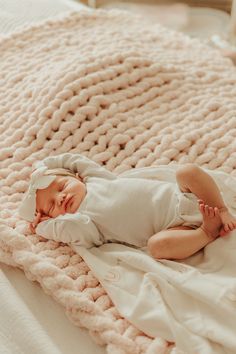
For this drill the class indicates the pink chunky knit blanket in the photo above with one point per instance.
(124, 93)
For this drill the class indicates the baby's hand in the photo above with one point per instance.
(39, 218)
(228, 221)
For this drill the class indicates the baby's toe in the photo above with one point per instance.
(211, 212)
(207, 210)
(226, 228)
(216, 211)
(202, 208)
(200, 201)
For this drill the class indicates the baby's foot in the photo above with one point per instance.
(212, 223)
(228, 221)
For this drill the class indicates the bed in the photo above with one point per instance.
(123, 102)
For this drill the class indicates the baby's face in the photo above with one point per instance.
(63, 195)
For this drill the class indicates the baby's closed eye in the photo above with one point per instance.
(52, 205)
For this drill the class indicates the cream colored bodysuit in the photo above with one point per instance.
(120, 208)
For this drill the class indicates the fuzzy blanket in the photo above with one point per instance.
(124, 93)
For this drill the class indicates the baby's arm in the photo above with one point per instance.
(77, 163)
(75, 228)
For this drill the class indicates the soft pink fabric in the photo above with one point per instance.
(124, 93)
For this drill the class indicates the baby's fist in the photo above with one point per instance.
(39, 218)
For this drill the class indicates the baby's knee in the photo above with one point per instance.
(187, 171)
(158, 245)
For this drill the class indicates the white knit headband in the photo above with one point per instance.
(38, 180)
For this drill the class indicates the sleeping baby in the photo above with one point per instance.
(72, 199)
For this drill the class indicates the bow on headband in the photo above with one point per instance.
(38, 180)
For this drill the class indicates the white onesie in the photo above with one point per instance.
(116, 208)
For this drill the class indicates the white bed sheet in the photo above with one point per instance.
(31, 321)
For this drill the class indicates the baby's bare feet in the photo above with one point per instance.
(212, 223)
(228, 221)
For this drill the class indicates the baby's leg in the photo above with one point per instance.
(191, 178)
(181, 242)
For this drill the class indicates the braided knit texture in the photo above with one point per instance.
(123, 93)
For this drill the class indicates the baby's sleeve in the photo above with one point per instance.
(71, 228)
(77, 163)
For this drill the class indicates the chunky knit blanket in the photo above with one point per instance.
(124, 93)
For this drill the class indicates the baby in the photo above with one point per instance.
(72, 199)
